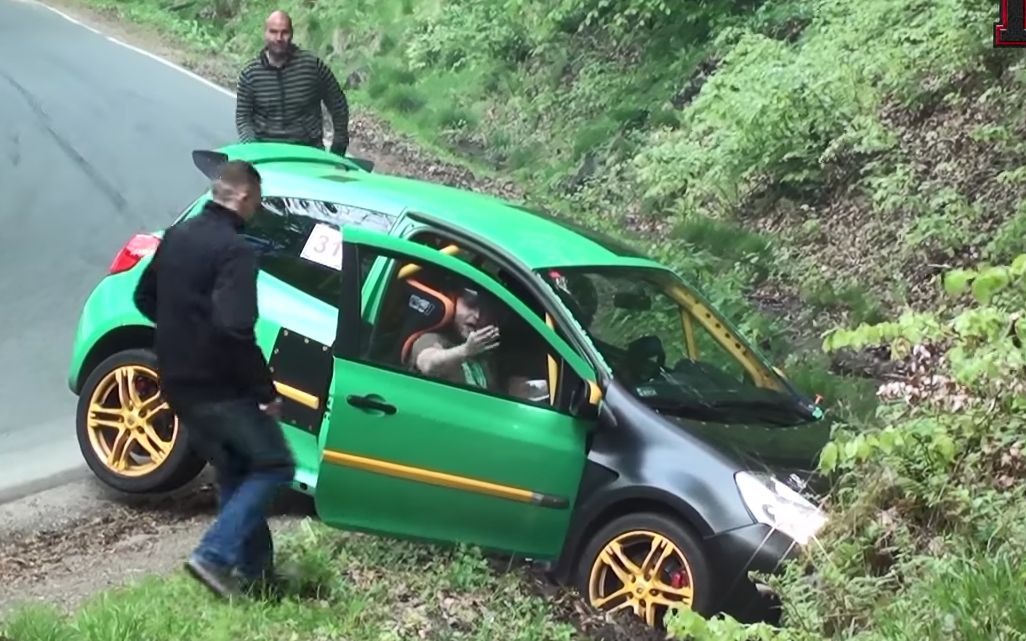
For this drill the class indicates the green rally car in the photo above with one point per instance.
(621, 432)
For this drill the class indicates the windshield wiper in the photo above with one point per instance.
(692, 408)
(719, 409)
(788, 406)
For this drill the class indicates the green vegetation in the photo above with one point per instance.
(828, 160)
(928, 511)
(352, 587)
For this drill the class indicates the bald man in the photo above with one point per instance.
(281, 90)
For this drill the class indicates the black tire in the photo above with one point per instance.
(643, 524)
(181, 464)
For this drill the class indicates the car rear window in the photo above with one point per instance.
(280, 232)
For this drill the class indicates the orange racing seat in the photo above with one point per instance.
(426, 310)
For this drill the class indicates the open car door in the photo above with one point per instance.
(419, 456)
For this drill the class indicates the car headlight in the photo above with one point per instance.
(775, 504)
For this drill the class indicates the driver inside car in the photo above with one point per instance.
(461, 351)
(465, 350)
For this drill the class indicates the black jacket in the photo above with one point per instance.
(200, 291)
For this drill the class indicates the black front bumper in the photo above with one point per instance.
(737, 552)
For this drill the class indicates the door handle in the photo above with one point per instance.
(368, 403)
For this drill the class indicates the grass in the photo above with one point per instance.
(353, 587)
(967, 598)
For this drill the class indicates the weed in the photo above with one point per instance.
(351, 586)
(1006, 242)
(404, 99)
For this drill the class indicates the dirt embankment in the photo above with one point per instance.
(66, 543)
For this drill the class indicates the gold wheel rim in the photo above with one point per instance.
(130, 426)
(641, 571)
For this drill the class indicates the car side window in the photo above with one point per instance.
(298, 241)
(422, 325)
(508, 281)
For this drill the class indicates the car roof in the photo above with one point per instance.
(536, 238)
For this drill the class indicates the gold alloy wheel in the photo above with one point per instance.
(130, 426)
(643, 571)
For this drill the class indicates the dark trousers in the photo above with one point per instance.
(246, 447)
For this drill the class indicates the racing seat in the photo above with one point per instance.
(414, 306)
(424, 309)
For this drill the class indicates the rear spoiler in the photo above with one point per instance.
(210, 161)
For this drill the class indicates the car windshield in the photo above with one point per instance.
(671, 351)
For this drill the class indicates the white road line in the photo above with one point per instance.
(65, 16)
(152, 56)
(69, 18)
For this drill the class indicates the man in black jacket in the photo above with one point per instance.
(279, 93)
(200, 291)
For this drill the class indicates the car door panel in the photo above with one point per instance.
(302, 370)
(295, 331)
(421, 471)
(448, 464)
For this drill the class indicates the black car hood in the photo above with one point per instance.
(785, 451)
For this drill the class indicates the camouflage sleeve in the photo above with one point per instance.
(425, 341)
(429, 355)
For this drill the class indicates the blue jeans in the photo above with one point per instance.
(247, 449)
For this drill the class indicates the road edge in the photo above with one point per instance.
(26, 489)
(81, 13)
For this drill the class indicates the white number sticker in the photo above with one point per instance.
(324, 246)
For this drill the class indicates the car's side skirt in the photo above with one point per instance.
(422, 475)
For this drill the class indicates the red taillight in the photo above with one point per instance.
(137, 247)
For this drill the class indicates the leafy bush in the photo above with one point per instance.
(773, 109)
(624, 19)
(927, 537)
(465, 33)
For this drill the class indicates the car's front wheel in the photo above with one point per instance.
(645, 563)
(127, 433)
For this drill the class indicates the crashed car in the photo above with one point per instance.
(623, 433)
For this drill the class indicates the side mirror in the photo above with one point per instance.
(584, 403)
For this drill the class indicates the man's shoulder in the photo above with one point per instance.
(237, 246)
(253, 64)
(430, 339)
(306, 57)
(207, 232)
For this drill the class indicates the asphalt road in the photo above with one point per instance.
(95, 142)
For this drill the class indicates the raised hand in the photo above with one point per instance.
(482, 340)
